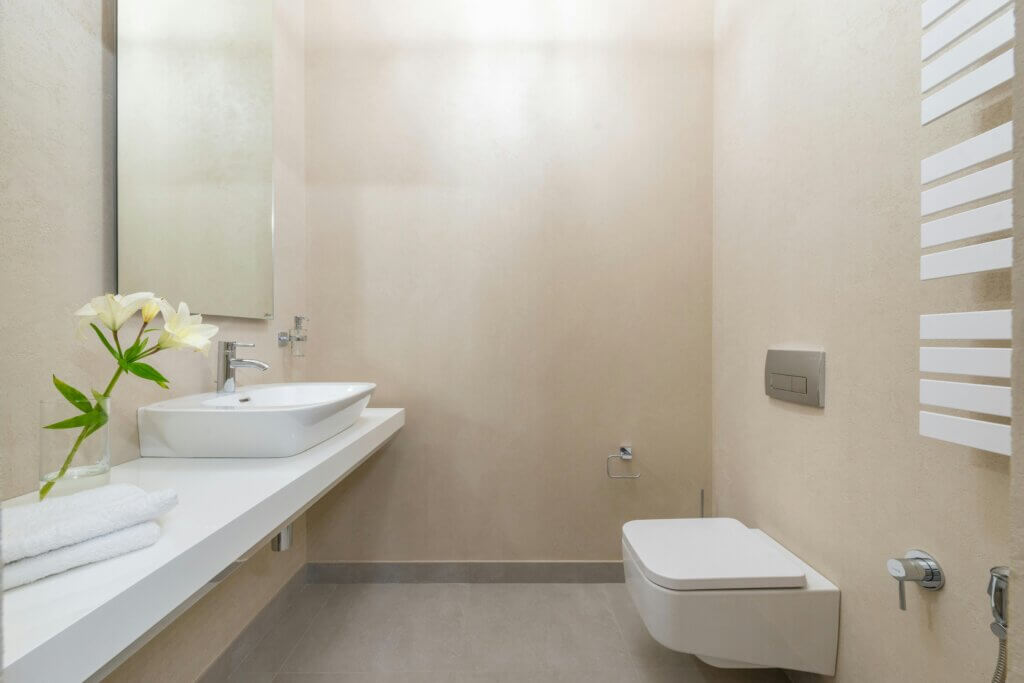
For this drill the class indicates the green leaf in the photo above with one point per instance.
(74, 396)
(146, 371)
(95, 418)
(103, 338)
(136, 349)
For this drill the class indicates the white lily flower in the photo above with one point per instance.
(182, 330)
(113, 310)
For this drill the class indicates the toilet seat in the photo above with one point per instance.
(708, 554)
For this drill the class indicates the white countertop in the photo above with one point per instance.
(66, 627)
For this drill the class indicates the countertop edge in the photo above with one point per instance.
(85, 646)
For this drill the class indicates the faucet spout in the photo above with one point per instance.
(227, 363)
(249, 363)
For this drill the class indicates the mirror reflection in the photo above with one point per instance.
(195, 153)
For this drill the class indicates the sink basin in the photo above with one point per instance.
(259, 421)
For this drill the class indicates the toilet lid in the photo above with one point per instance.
(709, 554)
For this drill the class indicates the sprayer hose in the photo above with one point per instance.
(1000, 675)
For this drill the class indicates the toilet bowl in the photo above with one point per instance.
(730, 595)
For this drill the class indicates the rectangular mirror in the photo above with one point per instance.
(195, 153)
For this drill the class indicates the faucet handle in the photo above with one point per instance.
(227, 348)
(904, 570)
(916, 566)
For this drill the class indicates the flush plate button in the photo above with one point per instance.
(795, 375)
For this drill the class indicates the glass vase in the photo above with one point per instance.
(88, 466)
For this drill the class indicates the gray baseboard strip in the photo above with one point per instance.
(464, 572)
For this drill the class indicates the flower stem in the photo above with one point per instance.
(139, 335)
(113, 381)
(67, 463)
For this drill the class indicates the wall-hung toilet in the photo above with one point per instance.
(730, 595)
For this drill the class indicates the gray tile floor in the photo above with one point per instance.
(471, 633)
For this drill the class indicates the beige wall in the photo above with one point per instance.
(817, 144)
(1016, 635)
(57, 199)
(509, 213)
(57, 251)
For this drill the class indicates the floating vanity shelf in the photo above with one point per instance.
(70, 626)
(967, 50)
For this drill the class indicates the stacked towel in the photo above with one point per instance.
(55, 535)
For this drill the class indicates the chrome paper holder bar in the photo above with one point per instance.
(625, 453)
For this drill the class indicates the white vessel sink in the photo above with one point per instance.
(259, 421)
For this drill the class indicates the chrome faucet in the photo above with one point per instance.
(917, 567)
(227, 364)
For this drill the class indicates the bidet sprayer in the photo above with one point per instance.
(998, 598)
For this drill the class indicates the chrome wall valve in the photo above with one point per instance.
(918, 567)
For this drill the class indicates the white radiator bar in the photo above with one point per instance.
(975, 398)
(984, 220)
(991, 74)
(933, 9)
(966, 17)
(977, 258)
(988, 436)
(990, 38)
(978, 185)
(971, 325)
(978, 149)
(979, 362)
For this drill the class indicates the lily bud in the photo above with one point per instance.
(150, 310)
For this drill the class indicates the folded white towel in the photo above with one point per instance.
(38, 528)
(93, 550)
